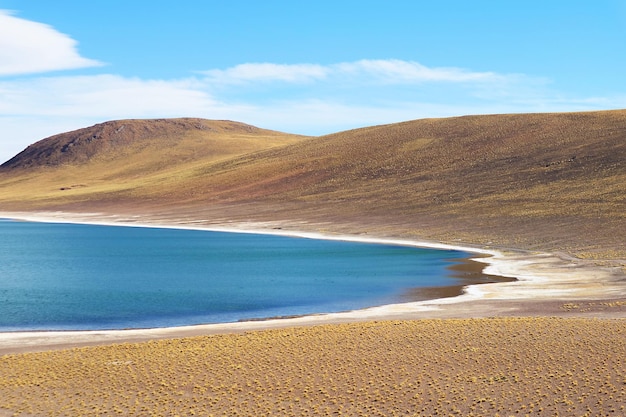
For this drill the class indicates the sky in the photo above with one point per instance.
(307, 67)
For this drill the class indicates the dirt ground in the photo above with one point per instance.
(469, 367)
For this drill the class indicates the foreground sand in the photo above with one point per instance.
(499, 366)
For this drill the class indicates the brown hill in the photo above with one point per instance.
(185, 138)
(124, 155)
(535, 181)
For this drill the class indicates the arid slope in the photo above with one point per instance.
(533, 181)
(124, 156)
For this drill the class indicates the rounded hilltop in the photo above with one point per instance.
(115, 138)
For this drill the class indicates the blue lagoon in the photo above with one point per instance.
(75, 276)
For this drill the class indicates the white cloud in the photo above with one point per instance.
(28, 47)
(391, 71)
(101, 96)
(111, 96)
(295, 73)
(398, 71)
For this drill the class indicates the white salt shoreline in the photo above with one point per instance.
(540, 276)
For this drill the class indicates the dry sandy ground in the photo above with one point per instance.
(479, 367)
(378, 361)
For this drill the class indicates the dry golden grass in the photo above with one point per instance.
(479, 367)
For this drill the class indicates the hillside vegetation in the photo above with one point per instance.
(532, 181)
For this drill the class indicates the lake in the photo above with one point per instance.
(74, 276)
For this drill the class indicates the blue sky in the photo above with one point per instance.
(309, 67)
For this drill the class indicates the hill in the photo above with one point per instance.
(124, 155)
(183, 139)
(533, 181)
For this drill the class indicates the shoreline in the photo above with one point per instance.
(540, 279)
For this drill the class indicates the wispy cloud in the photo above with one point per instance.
(250, 72)
(391, 71)
(314, 97)
(409, 72)
(28, 47)
(101, 96)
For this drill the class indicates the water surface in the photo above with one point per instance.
(72, 276)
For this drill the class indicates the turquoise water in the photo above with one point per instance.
(69, 276)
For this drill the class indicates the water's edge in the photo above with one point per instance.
(465, 271)
(536, 277)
